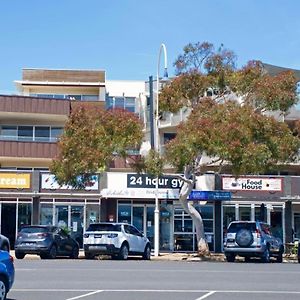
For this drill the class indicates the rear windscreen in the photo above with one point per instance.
(104, 227)
(34, 229)
(235, 227)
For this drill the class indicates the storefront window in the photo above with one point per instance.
(92, 214)
(228, 215)
(24, 214)
(46, 214)
(124, 213)
(245, 213)
(61, 216)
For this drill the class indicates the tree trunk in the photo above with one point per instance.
(196, 217)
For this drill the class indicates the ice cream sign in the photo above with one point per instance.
(252, 184)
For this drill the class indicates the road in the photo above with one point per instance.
(64, 279)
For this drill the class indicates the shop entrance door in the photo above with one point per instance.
(8, 222)
(143, 220)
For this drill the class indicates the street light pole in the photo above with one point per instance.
(157, 148)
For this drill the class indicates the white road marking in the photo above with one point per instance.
(155, 291)
(206, 295)
(85, 295)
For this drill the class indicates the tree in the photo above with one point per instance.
(92, 138)
(227, 121)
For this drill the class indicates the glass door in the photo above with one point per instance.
(8, 222)
(149, 232)
(77, 213)
(138, 218)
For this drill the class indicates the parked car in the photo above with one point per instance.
(4, 243)
(116, 239)
(7, 273)
(46, 241)
(252, 239)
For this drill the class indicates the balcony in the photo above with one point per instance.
(24, 107)
(28, 149)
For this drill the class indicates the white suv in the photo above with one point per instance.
(115, 239)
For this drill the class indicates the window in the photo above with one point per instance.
(124, 213)
(9, 132)
(42, 134)
(25, 133)
(104, 227)
(56, 132)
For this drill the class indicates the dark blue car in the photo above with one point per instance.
(7, 273)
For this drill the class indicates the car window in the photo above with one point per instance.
(104, 227)
(35, 229)
(134, 231)
(235, 227)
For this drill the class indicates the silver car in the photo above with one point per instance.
(116, 239)
(252, 239)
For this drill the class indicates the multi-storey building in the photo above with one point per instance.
(30, 125)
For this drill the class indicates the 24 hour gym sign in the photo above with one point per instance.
(252, 184)
(146, 181)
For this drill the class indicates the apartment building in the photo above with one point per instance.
(30, 126)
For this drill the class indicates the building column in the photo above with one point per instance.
(35, 211)
(218, 226)
(288, 222)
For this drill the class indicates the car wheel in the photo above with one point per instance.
(5, 247)
(88, 255)
(19, 255)
(279, 257)
(75, 252)
(3, 289)
(266, 256)
(230, 258)
(43, 256)
(147, 253)
(52, 252)
(247, 258)
(123, 254)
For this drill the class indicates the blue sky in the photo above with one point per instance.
(123, 37)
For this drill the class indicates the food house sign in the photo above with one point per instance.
(252, 184)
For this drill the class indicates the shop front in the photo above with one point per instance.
(255, 199)
(133, 198)
(15, 202)
(65, 207)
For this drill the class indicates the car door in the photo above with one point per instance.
(62, 239)
(139, 239)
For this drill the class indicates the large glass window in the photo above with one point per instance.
(42, 133)
(124, 213)
(92, 214)
(56, 132)
(9, 132)
(30, 133)
(24, 214)
(25, 133)
(46, 214)
(244, 213)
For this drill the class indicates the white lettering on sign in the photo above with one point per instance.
(252, 184)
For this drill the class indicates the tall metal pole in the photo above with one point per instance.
(157, 148)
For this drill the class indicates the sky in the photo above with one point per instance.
(123, 37)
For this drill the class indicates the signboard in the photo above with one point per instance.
(147, 181)
(209, 195)
(252, 184)
(14, 181)
(48, 182)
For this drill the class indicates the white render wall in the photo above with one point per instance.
(126, 88)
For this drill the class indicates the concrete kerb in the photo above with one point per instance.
(170, 256)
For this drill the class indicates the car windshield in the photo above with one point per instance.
(34, 229)
(235, 227)
(104, 227)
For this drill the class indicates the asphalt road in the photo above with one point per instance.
(63, 279)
